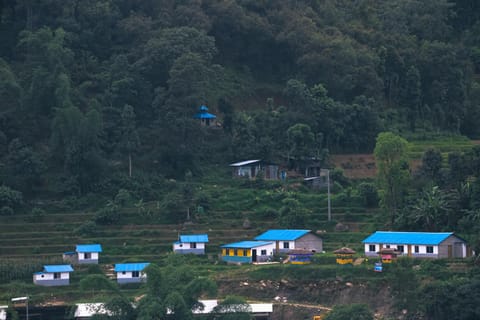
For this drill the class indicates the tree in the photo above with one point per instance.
(350, 312)
(97, 282)
(430, 209)
(390, 152)
(431, 164)
(129, 140)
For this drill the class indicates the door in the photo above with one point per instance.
(254, 255)
(450, 251)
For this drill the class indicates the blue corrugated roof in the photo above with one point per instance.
(121, 267)
(194, 238)
(89, 248)
(205, 115)
(58, 268)
(391, 237)
(282, 235)
(246, 244)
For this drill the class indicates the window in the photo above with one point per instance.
(400, 248)
(417, 249)
(123, 272)
(372, 248)
(429, 249)
(193, 245)
(387, 246)
(87, 255)
(263, 252)
(135, 274)
(56, 275)
(286, 245)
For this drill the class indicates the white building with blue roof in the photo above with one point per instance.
(292, 239)
(194, 244)
(131, 272)
(247, 251)
(417, 244)
(88, 253)
(53, 275)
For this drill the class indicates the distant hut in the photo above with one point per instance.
(88, 253)
(206, 119)
(251, 168)
(290, 239)
(194, 244)
(388, 255)
(344, 255)
(247, 251)
(131, 272)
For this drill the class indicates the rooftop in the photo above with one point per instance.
(391, 237)
(244, 163)
(246, 244)
(58, 268)
(89, 248)
(125, 267)
(194, 238)
(282, 234)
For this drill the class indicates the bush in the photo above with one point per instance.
(87, 228)
(10, 198)
(107, 216)
(6, 211)
(369, 194)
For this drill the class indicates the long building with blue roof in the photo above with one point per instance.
(192, 243)
(417, 244)
(292, 239)
(248, 251)
(53, 275)
(131, 272)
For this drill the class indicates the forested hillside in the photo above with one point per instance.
(86, 86)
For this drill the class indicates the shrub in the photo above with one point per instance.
(87, 228)
(369, 194)
(6, 211)
(107, 216)
(10, 198)
(123, 197)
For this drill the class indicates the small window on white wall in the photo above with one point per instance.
(429, 249)
(372, 248)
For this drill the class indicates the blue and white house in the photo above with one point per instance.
(290, 239)
(247, 251)
(53, 275)
(88, 253)
(131, 272)
(194, 244)
(417, 244)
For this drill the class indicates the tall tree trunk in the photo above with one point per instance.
(130, 165)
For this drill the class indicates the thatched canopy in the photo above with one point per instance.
(344, 250)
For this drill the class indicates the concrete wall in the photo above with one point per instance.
(309, 242)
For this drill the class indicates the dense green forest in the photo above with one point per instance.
(87, 85)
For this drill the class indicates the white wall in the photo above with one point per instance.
(128, 275)
(49, 276)
(269, 247)
(94, 256)
(187, 245)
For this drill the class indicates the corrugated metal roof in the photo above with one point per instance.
(121, 267)
(282, 235)
(244, 163)
(246, 244)
(58, 268)
(392, 237)
(194, 238)
(204, 115)
(89, 248)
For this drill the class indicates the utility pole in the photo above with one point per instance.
(328, 197)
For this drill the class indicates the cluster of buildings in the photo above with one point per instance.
(297, 244)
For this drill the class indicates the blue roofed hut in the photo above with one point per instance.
(206, 118)
(194, 244)
(53, 275)
(131, 272)
(247, 251)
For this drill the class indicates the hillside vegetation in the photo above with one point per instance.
(98, 143)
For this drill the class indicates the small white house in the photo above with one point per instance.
(417, 244)
(88, 253)
(131, 272)
(194, 244)
(290, 239)
(53, 275)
